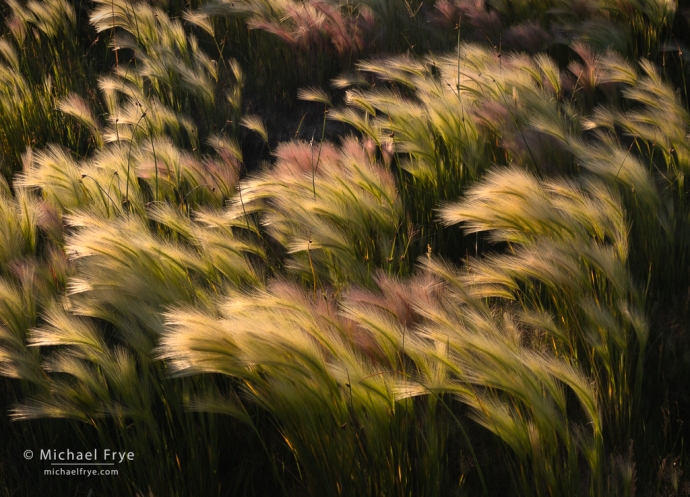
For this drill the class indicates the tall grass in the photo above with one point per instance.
(337, 213)
(436, 336)
(336, 412)
(468, 297)
(39, 64)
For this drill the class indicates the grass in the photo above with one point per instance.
(475, 285)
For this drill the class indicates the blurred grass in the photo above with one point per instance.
(550, 354)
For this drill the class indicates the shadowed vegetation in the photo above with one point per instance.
(331, 248)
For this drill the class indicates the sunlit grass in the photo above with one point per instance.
(477, 288)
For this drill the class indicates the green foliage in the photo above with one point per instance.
(254, 324)
(337, 213)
